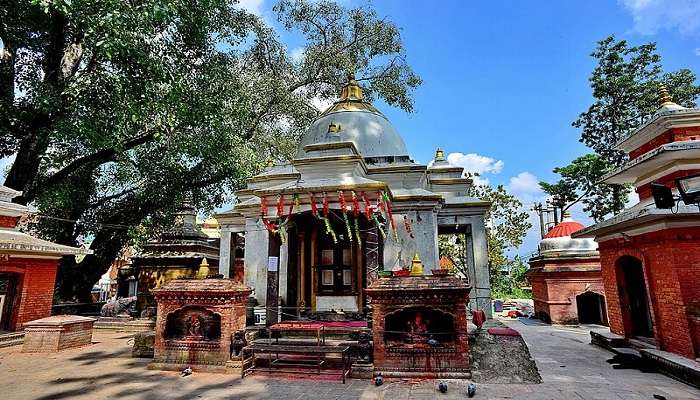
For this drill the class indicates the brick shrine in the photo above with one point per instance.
(650, 257)
(28, 267)
(419, 326)
(195, 323)
(567, 287)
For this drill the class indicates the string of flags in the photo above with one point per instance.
(372, 212)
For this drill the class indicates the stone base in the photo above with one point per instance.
(675, 366)
(361, 371)
(57, 333)
(606, 339)
(125, 324)
(143, 344)
(388, 373)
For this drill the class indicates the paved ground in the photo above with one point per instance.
(571, 368)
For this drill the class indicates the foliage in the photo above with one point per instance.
(625, 84)
(580, 182)
(117, 110)
(509, 285)
(506, 226)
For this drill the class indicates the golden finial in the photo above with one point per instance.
(566, 214)
(203, 270)
(333, 127)
(270, 163)
(351, 90)
(439, 155)
(665, 97)
(416, 266)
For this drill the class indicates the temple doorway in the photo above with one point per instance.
(633, 297)
(8, 285)
(326, 271)
(590, 307)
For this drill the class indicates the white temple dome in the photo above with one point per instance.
(558, 241)
(351, 119)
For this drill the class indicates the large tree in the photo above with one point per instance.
(625, 85)
(116, 110)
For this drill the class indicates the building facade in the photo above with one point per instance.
(352, 203)
(567, 286)
(650, 257)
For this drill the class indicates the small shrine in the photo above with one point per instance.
(649, 252)
(567, 287)
(419, 326)
(351, 206)
(184, 251)
(28, 267)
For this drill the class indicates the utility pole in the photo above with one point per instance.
(540, 211)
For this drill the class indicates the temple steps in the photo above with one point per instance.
(11, 339)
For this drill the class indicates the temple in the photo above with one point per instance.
(351, 205)
(649, 258)
(567, 287)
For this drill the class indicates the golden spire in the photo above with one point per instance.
(270, 163)
(439, 155)
(351, 90)
(416, 266)
(665, 98)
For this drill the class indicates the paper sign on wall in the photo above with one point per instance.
(272, 264)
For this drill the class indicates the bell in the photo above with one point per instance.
(416, 266)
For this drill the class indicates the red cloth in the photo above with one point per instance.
(503, 332)
(478, 318)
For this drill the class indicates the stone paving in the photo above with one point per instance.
(571, 368)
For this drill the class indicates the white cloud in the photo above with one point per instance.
(475, 163)
(697, 51)
(252, 6)
(652, 15)
(524, 183)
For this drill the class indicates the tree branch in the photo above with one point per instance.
(97, 158)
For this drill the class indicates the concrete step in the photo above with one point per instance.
(606, 339)
(11, 339)
(673, 365)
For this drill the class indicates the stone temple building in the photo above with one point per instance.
(352, 203)
(650, 257)
(567, 287)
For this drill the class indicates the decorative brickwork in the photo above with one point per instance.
(195, 323)
(671, 265)
(57, 333)
(419, 326)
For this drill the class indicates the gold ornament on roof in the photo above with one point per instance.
(334, 128)
(351, 90)
(665, 97)
(439, 155)
(351, 99)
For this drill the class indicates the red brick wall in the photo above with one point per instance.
(34, 293)
(671, 135)
(671, 263)
(555, 293)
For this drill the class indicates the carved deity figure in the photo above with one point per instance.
(194, 325)
(238, 343)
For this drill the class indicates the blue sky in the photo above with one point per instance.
(504, 80)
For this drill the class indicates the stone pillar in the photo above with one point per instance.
(255, 274)
(273, 279)
(481, 285)
(225, 253)
(425, 232)
(372, 254)
(283, 272)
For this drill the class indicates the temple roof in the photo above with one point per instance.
(351, 118)
(558, 243)
(13, 241)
